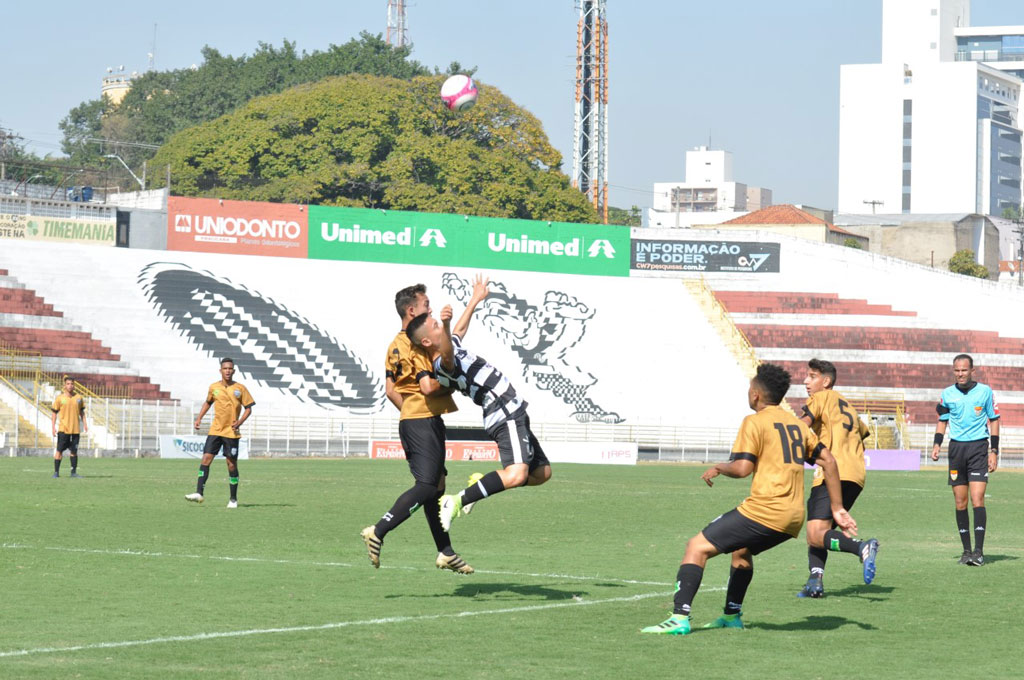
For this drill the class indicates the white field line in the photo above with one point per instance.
(264, 560)
(327, 626)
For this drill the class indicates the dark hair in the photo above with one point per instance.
(823, 367)
(407, 296)
(774, 381)
(68, 377)
(958, 357)
(226, 360)
(412, 330)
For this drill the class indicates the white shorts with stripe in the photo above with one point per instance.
(516, 443)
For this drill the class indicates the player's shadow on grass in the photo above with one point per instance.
(864, 592)
(813, 623)
(266, 505)
(989, 559)
(507, 591)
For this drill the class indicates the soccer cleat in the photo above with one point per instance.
(450, 508)
(194, 497)
(232, 504)
(373, 545)
(56, 476)
(75, 475)
(677, 624)
(813, 588)
(473, 479)
(966, 557)
(454, 563)
(868, 553)
(976, 559)
(726, 621)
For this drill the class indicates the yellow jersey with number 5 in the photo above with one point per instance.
(839, 427)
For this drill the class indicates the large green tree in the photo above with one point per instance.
(378, 142)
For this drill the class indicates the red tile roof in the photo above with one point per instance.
(778, 214)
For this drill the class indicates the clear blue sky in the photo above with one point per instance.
(761, 79)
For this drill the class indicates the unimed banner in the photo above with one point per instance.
(365, 235)
(705, 256)
(191, 446)
(210, 225)
(604, 453)
(35, 228)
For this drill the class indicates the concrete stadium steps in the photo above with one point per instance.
(881, 339)
(28, 435)
(775, 302)
(29, 323)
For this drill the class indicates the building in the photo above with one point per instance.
(709, 195)
(935, 127)
(116, 84)
(791, 220)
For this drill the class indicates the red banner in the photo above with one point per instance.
(210, 225)
(485, 451)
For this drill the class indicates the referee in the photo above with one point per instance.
(973, 416)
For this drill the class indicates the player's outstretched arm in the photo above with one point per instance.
(737, 469)
(479, 295)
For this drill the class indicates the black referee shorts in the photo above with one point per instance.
(423, 442)
(968, 462)
(67, 442)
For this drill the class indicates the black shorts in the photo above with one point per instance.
(423, 442)
(67, 442)
(818, 505)
(733, 531)
(215, 445)
(516, 443)
(968, 462)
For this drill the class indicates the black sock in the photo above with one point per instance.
(233, 485)
(488, 485)
(688, 580)
(816, 558)
(74, 463)
(963, 525)
(980, 520)
(739, 580)
(837, 541)
(204, 474)
(409, 502)
(56, 466)
(441, 540)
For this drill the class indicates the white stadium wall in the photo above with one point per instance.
(581, 348)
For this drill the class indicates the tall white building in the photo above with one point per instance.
(935, 127)
(708, 196)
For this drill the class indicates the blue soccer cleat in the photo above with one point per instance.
(868, 553)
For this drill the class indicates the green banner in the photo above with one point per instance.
(367, 235)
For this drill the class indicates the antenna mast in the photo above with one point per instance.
(590, 125)
(397, 34)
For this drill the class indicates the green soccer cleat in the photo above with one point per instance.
(726, 621)
(450, 508)
(473, 479)
(677, 624)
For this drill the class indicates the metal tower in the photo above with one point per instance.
(590, 127)
(397, 35)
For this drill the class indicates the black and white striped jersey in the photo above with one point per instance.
(481, 382)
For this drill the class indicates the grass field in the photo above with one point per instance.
(115, 575)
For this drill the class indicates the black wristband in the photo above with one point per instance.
(994, 439)
(938, 438)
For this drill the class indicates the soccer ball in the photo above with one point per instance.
(459, 92)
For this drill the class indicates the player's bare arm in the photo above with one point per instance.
(737, 469)
(993, 453)
(202, 412)
(480, 292)
(237, 425)
(940, 429)
(393, 395)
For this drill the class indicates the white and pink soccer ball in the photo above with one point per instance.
(459, 93)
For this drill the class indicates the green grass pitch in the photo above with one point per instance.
(115, 576)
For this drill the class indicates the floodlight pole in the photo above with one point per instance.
(142, 183)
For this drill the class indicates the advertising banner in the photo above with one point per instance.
(35, 228)
(191, 446)
(605, 453)
(705, 256)
(365, 235)
(210, 225)
(889, 459)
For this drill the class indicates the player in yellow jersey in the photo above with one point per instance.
(228, 399)
(773, 445)
(839, 428)
(67, 422)
(414, 391)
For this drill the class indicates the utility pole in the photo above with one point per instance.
(1018, 221)
(873, 204)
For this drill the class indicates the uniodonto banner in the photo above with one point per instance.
(210, 225)
(36, 228)
(601, 453)
(368, 235)
(191, 446)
